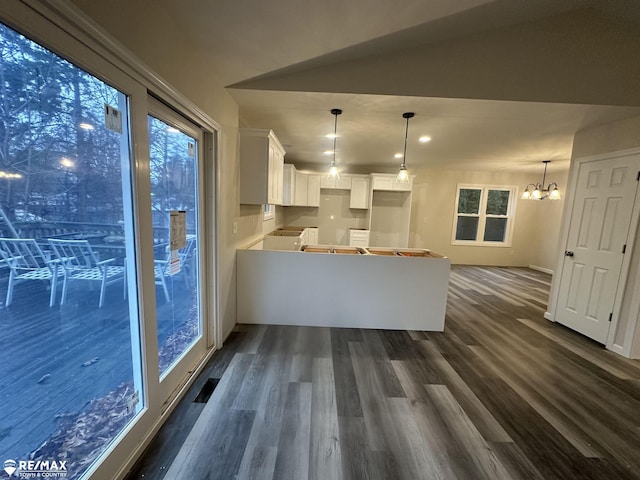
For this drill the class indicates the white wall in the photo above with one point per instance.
(332, 218)
(432, 218)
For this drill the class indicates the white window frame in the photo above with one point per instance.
(269, 212)
(482, 215)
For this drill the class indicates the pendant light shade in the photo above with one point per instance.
(403, 174)
(537, 191)
(333, 168)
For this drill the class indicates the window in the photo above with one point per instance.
(484, 215)
(269, 212)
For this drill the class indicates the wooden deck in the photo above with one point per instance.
(55, 360)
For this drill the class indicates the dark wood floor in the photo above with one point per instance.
(501, 394)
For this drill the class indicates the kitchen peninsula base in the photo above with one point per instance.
(381, 291)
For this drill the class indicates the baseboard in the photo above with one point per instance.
(541, 269)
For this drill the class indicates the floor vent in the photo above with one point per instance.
(207, 390)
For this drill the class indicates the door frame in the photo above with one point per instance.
(567, 213)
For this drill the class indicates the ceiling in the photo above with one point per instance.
(496, 84)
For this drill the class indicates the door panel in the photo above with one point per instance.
(599, 226)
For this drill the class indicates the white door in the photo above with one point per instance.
(601, 214)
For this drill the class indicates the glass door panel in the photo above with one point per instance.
(175, 216)
(70, 361)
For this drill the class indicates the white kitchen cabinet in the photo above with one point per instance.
(313, 191)
(300, 196)
(342, 183)
(312, 236)
(384, 181)
(261, 167)
(359, 192)
(358, 238)
(300, 188)
(289, 186)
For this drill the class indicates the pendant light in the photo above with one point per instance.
(537, 191)
(403, 174)
(333, 168)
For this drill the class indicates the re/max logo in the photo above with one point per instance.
(42, 466)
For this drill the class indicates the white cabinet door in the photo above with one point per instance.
(312, 234)
(300, 197)
(383, 182)
(342, 183)
(388, 182)
(359, 192)
(277, 177)
(261, 167)
(289, 187)
(359, 238)
(327, 182)
(313, 191)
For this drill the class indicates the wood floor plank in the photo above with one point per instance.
(325, 456)
(486, 424)
(467, 436)
(292, 461)
(376, 418)
(347, 397)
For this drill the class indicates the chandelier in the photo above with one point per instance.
(537, 191)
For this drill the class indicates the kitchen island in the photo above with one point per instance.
(341, 286)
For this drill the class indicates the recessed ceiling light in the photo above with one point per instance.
(328, 152)
(397, 155)
(331, 135)
(424, 139)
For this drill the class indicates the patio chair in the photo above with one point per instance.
(80, 262)
(187, 258)
(162, 266)
(26, 261)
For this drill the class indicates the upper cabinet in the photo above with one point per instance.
(301, 188)
(387, 181)
(261, 167)
(359, 192)
(342, 183)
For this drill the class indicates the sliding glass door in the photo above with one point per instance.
(70, 361)
(175, 163)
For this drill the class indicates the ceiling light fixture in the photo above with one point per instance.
(424, 139)
(537, 191)
(333, 168)
(403, 174)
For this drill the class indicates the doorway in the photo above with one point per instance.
(593, 264)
